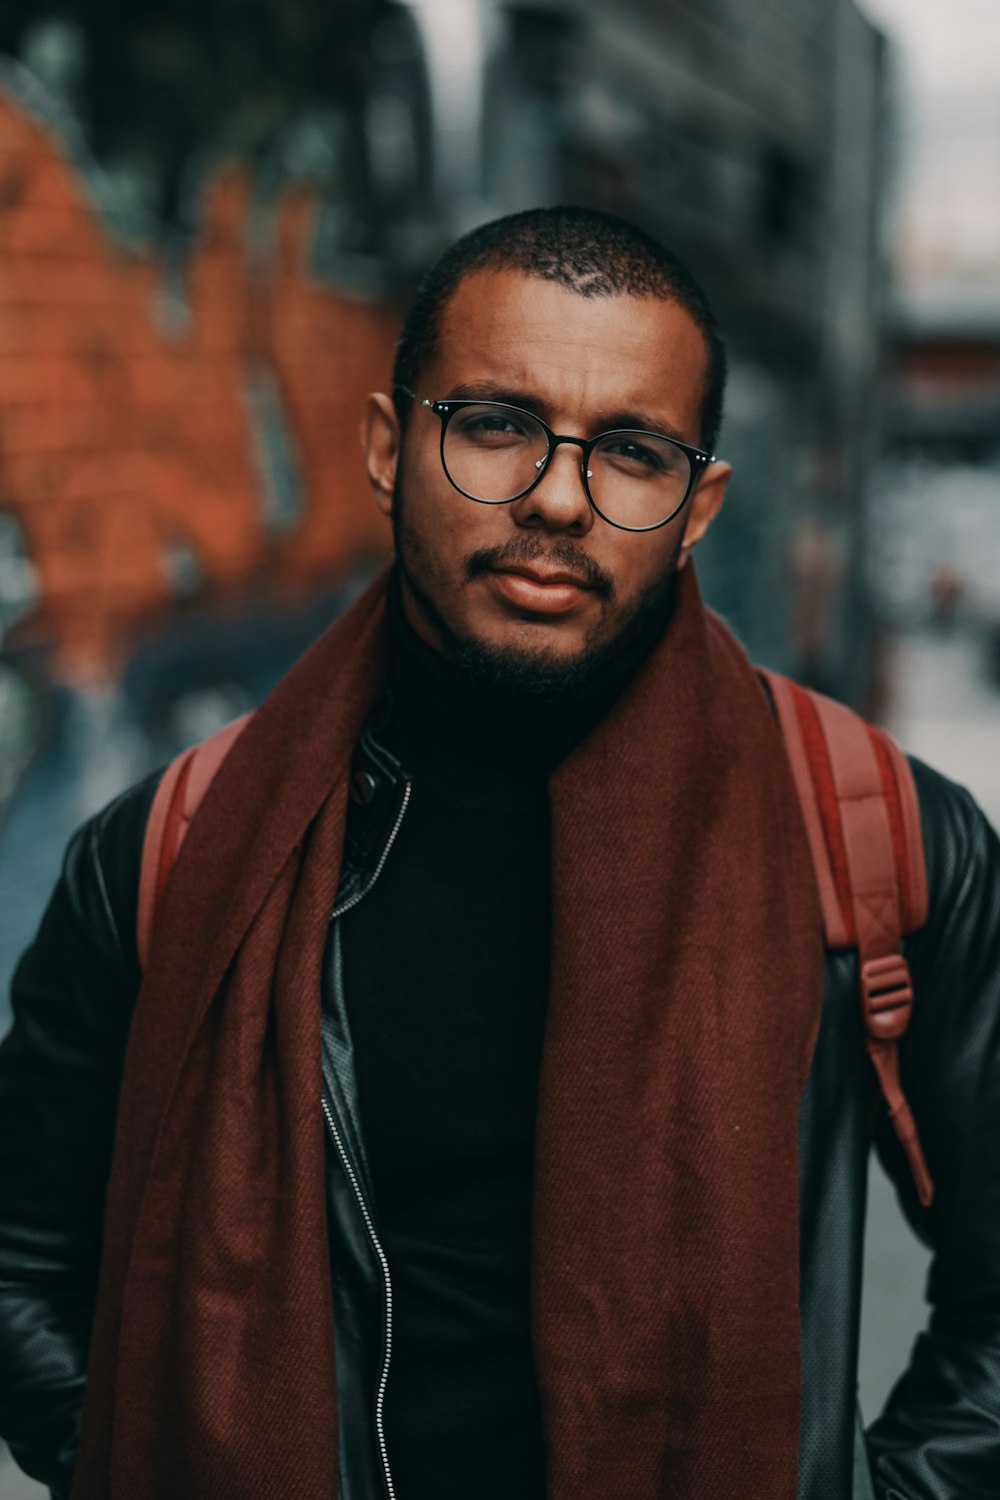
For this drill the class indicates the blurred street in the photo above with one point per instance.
(17, 1486)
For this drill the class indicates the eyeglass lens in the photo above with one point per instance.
(494, 453)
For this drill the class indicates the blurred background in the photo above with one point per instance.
(211, 215)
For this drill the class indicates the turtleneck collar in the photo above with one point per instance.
(443, 719)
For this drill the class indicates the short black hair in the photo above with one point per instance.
(592, 253)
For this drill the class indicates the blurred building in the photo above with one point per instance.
(209, 217)
(933, 520)
(945, 375)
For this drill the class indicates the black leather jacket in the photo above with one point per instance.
(939, 1437)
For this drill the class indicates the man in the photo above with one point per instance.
(538, 1167)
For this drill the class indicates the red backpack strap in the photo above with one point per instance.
(181, 789)
(862, 818)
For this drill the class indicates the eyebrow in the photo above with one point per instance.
(485, 390)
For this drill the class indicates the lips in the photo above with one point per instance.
(545, 578)
(538, 591)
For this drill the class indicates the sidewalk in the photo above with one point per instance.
(17, 1486)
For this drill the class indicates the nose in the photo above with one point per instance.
(559, 501)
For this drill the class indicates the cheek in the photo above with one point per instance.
(448, 524)
(414, 482)
(644, 560)
(435, 524)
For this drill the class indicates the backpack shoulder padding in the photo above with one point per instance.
(859, 804)
(181, 789)
(862, 819)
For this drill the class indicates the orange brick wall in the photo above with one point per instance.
(117, 438)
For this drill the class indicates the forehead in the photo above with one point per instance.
(579, 355)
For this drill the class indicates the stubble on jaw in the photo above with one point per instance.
(538, 672)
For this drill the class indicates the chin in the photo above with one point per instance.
(519, 670)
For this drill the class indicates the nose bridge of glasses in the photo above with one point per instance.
(555, 442)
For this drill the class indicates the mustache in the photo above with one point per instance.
(522, 550)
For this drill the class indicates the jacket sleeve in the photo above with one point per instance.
(939, 1435)
(60, 1070)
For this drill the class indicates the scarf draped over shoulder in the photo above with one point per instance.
(684, 1003)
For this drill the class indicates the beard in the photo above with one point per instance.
(538, 672)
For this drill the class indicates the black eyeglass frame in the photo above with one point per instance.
(445, 410)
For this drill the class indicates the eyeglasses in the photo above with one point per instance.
(494, 453)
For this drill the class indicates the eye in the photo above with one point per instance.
(490, 422)
(491, 425)
(641, 456)
(632, 453)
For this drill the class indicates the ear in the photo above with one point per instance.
(703, 507)
(380, 441)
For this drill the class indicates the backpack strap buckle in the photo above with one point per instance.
(887, 996)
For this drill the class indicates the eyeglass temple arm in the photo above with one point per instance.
(414, 397)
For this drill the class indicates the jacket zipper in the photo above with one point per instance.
(387, 1285)
(339, 911)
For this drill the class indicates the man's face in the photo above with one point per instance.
(542, 581)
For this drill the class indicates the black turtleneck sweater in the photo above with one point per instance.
(446, 975)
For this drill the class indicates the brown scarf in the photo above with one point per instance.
(685, 998)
